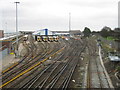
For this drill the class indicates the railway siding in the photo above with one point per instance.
(30, 68)
(63, 69)
(96, 74)
(29, 61)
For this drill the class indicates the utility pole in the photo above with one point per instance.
(17, 28)
(119, 14)
(6, 26)
(69, 21)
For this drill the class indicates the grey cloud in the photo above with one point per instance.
(52, 23)
(30, 16)
(96, 4)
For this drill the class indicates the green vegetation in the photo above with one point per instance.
(87, 32)
(111, 38)
(109, 34)
(107, 48)
(118, 68)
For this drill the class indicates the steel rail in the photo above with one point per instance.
(28, 60)
(29, 69)
(30, 81)
(48, 75)
(55, 78)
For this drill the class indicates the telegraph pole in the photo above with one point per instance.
(6, 26)
(17, 27)
(119, 14)
(69, 21)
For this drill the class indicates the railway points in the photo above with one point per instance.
(27, 70)
(56, 62)
(53, 50)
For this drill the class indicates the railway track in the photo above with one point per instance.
(96, 76)
(33, 74)
(30, 48)
(47, 72)
(62, 78)
(20, 67)
(24, 64)
(55, 75)
(52, 76)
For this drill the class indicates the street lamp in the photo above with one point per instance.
(70, 24)
(69, 21)
(17, 26)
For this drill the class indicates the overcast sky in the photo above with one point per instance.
(54, 14)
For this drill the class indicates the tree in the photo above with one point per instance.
(117, 30)
(105, 32)
(117, 33)
(87, 32)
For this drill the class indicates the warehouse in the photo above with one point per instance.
(43, 32)
(75, 32)
(1, 33)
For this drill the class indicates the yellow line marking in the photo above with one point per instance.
(9, 68)
(16, 64)
(29, 69)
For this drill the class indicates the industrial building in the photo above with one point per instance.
(75, 32)
(43, 32)
(60, 33)
(71, 32)
(1, 33)
(26, 32)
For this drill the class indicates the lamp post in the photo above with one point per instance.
(69, 21)
(119, 14)
(70, 24)
(17, 27)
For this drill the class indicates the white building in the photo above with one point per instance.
(43, 32)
